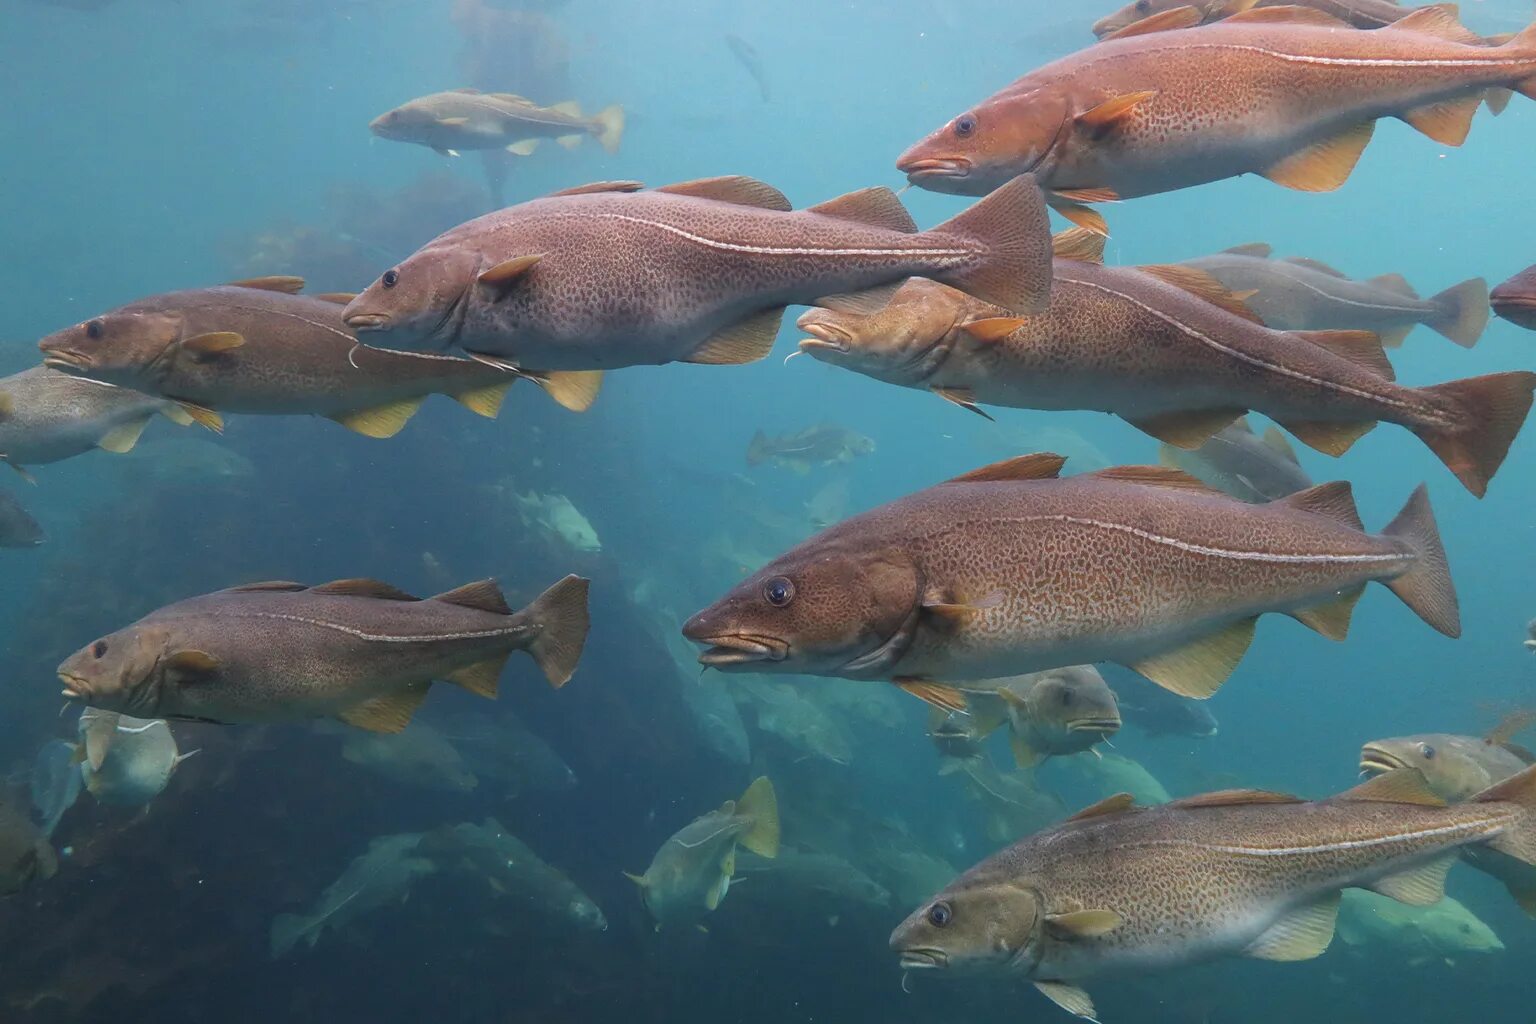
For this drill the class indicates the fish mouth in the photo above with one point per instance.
(1375, 761)
(75, 687)
(741, 649)
(367, 321)
(923, 959)
(1104, 26)
(824, 338)
(929, 167)
(1104, 725)
(65, 360)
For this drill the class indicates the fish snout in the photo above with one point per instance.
(66, 360)
(1105, 724)
(920, 958)
(824, 336)
(367, 321)
(931, 169)
(1376, 761)
(1110, 23)
(75, 687)
(724, 647)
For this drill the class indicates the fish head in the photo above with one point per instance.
(587, 915)
(901, 343)
(824, 608)
(416, 304)
(131, 349)
(987, 146)
(1515, 299)
(1131, 13)
(1074, 701)
(1447, 762)
(980, 924)
(1451, 928)
(409, 123)
(135, 670)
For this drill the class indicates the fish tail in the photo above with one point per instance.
(1488, 412)
(761, 805)
(1013, 229)
(1511, 856)
(1461, 312)
(560, 614)
(610, 121)
(1426, 587)
(757, 449)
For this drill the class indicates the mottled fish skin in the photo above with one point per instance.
(1454, 766)
(1515, 299)
(625, 278)
(1358, 13)
(468, 119)
(17, 527)
(47, 416)
(1241, 463)
(1236, 97)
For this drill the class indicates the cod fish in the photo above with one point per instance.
(48, 416)
(1359, 13)
(1302, 294)
(603, 276)
(25, 853)
(1057, 713)
(258, 347)
(380, 876)
(419, 756)
(1174, 354)
(785, 712)
(1454, 766)
(1238, 872)
(470, 119)
(824, 876)
(1515, 299)
(510, 868)
(691, 873)
(1157, 712)
(55, 784)
(1008, 569)
(126, 761)
(1163, 106)
(358, 650)
(1417, 934)
(17, 527)
(1241, 463)
(823, 445)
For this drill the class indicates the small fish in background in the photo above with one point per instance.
(1359, 13)
(510, 868)
(1238, 462)
(830, 503)
(1530, 635)
(1119, 887)
(812, 876)
(1515, 299)
(468, 119)
(559, 519)
(126, 761)
(692, 871)
(1014, 803)
(1302, 294)
(1114, 773)
(747, 54)
(419, 756)
(357, 650)
(826, 444)
(1454, 766)
(184, 461)
(25, 853)
(957, 736)
(380, 876)
(1156, 712)
(47, 416)
(1415, 935)
(507, 757)
(17, 527)
(55, 783)
(782, 710)
(1057, 713)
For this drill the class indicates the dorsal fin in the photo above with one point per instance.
(1036, 466)
(1438, 20)
(1109, 805)
(272, 585)
(731, 188)
(363, 588)
(1156, 476)
(1510, 726)
(275, 283)
(598, 186)
(482, 595)
(1363, 348)
(1258, 250)
(1203, 286)
(1235, 798)
(878, 207)
(1333, 500)
(1318, 265)
(1401, 786)
(1078, 244)
(1397, 284)
(1163, 21)
(1288, 16)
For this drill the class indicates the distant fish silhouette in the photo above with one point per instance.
(747, 54)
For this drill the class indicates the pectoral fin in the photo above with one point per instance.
(1199, 668)
(744, 342)
(717, 892)
(507, 272)
(1069, 997)
(380, 421)
(1112, 112)
(964, 398)
(203, 416)
(993, 328)
(206, 346)
(1301, 934)
(1323, 166)
(390, 713)
(453, 122)
(1084, 217)
(123, 437)
(946, 698)
(1083, 924)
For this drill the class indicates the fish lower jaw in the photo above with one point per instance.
(368, 321)
(726, 651)
(931, 168)
(1103, 725)
(923, 959)
(1377, 763)
(68, 362)
(75, 688)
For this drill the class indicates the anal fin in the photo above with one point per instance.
(390, 713)
(1187, 430)
(481, 678)
(123, 437)
(1323, 166)
(1199, 668)
(744, 342)
(1420, 886)
(1448, 122)
(484, 401)
(1326, 436)
(1302, 934)
(380, 421)
(1331, 618)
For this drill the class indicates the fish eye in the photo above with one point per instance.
(94, 329)
(391, 278)
(779, 591)
(1428, 751)
(99, 649)
(940, 914)
(965, 124)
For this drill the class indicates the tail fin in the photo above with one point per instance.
(611, 127)
(1511, 856)
(1523, 44)
(1014, 231)
(560, 613)
(1461, 312)
(287, 930)
(760, 804)
(1426, 587)
(1490, 411)
(757, 449)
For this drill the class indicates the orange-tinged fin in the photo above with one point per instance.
(1489, 411)
(744, 342)
(1420, 886)
(1083, 924)
(610, 132)
(282, 586)
(575, 390)
(940, 696)
(1084, 217)
(1162, 21)
(1331, 618)
(484, 401)
(1498, 97)
(1397, 284)
(1258, 250)
(1024, 755)
(561, 615)
(1289, 15)
(390, 713)
(1198, 668)
(1326, 436)
(1276, 442)
(1013, 230)
(1426, 587)
(864, 303)
(361, 587)
(1069, 997)
(205, 346)
(1438, 20)
(275, 283)
(1326, 165)
(1187, 430)
(203, 416)
(1363, 348)
(960, 611)
(1399, 786)
(1088, 195)
(760, 804)
(1155, 476)
(338, 298)
(1234, 798)
(1106, 116)
(482, 678)
(965, 398)
(1203, 286)
(1317, 265)
(1036, 466)
(1510, 726)
(1078, 244)
(597, 187)
(731, 188)
(1302, 933)
(1333, 500)
(993, 328)
(1116, 804)
(1448, 122)
(508, 272)
(877, 207)
(121, 438)
(382, 420)
(1461, 312)
(481, 595)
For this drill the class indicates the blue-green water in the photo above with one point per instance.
(151, 145)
